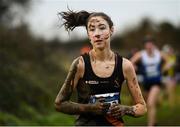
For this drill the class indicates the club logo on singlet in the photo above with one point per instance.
(117, 85)
(104, 82)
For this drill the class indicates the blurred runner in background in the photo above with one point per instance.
(151, 69)
(85, 49)
(169, 75)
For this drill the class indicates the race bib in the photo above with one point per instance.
(152, 71)
(111, 98)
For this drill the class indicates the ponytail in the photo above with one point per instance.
(74, 19)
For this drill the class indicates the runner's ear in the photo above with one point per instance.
(112, 30)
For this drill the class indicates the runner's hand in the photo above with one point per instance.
(100, 107)
(117, 110)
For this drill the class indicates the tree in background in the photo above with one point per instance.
(7, 9)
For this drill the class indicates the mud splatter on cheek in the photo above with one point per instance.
(106, 36)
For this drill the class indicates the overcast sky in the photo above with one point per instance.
(44, 21)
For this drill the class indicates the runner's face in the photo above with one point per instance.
(149, 46)
(99, 32)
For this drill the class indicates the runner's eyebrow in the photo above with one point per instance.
(94, 25)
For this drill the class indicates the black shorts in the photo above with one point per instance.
(93, 120)
(148, 85)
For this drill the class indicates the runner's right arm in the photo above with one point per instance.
(62, 101)
(135, 59)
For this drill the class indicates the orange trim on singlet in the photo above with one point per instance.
(114, 121)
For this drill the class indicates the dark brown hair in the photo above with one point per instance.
(74, 19)
(149, 38)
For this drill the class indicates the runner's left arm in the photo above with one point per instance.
(139, 108)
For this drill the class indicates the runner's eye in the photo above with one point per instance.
(91, 28)
(102, 27)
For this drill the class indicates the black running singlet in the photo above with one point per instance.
(90, 87)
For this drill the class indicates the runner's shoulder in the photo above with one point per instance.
(80, 65)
